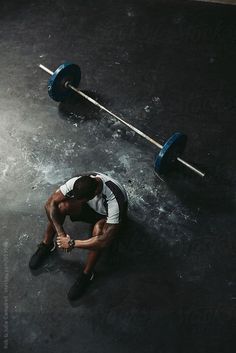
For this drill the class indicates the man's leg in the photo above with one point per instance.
(94, 255)
(50, 230)
(86, 276)
(49, 234)
(70, 207)
(67, 208)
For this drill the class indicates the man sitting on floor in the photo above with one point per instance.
(93, 198)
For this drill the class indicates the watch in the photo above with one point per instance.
(71, 244)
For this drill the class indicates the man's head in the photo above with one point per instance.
(85, 188)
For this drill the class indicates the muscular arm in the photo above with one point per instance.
(100, 241)
(53, 211)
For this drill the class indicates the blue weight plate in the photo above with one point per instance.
(66, 72)
(171, 150)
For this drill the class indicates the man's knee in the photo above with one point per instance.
(98, 228)
(63, 208)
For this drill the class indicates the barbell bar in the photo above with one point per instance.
(67, 76)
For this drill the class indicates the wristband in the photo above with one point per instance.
(71, 244)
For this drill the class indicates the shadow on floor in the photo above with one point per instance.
(77, 109)
(136, 255)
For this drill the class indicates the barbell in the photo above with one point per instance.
(66, 78)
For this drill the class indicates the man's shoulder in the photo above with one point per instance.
(114, 190)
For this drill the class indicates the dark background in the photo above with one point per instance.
(165, 67)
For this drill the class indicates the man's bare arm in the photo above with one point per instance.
(53, 211)
(98, 242)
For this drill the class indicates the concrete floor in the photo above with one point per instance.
(165, 67)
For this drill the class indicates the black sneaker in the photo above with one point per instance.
(80, 285)
(41, 253)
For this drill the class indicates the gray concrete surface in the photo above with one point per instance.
(165, 67)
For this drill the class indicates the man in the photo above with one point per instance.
(93, 198)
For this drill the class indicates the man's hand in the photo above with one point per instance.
(63, 242)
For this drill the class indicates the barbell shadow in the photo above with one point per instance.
(179, 172)
(212, 194)
(76, 109)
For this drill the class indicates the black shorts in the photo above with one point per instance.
(88, 215)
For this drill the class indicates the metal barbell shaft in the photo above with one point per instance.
(197, 171)
(117, 117)
(139, 132)
(106, 110)
(46, 69)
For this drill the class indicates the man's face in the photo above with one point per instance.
(91, 197)
(85, 199)
(82, 199)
